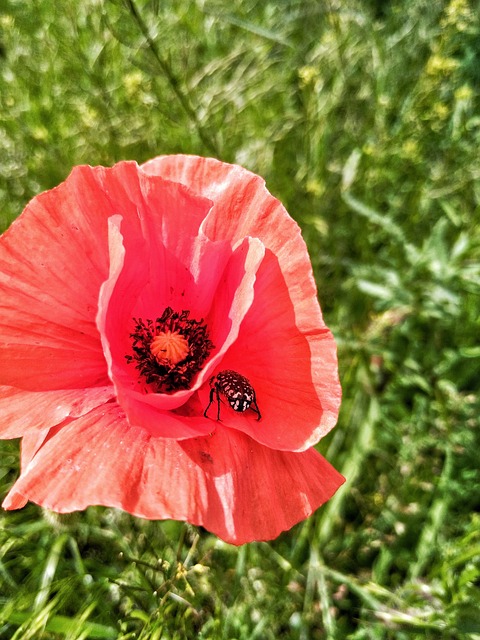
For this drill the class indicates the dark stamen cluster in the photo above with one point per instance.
(165, 377)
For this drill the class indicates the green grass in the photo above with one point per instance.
(363, 116)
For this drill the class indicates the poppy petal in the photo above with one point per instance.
(275, 357)
(53, 260)
(110, 245)
(30, 444)
(226, 482)
(51, 266)
(244, 207)
(116, 309)
(29, 411)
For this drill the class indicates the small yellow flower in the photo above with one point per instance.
(368, 149)
(314, 187)
(40, 133)
(439, 65)
(458, 14)
(307, 75)
(132, 82)
(410, 149)
(6, 22)
(441, 110)
(88, 116)
(463, 93)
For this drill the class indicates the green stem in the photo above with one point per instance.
(438, 512)
(172, 78)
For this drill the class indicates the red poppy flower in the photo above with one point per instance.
(132, 297)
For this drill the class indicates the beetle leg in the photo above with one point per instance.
(212, 393)
(255, 408)
(218, 403)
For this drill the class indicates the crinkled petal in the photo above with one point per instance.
(30, 411)
(226, 482)
(30, 444)
(119, 303)
(53, 260)
(244, 207)
(275, 357)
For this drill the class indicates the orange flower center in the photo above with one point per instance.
(170, 350)
(171, 346)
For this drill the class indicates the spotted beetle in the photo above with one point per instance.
(237, 390)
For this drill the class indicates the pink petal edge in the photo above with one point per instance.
(236, 488)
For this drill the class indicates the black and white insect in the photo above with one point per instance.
(236, 389)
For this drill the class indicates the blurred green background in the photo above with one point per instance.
(363, 117)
